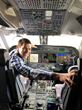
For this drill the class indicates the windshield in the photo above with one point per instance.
(58, 58)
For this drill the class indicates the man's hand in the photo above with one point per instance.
(66, 77)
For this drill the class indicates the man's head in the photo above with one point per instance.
(24, 47)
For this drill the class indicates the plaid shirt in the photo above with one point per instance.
(17, 62)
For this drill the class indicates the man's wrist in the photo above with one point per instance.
(55, 76)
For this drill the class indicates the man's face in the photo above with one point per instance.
(25, 50)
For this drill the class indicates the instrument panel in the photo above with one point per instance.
(41, 92)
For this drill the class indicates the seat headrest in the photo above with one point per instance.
(3, 57)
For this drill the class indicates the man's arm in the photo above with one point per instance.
(18, 63)
(25, 70)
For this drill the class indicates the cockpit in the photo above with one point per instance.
(55, 30)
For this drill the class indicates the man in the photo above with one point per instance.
(22, 52)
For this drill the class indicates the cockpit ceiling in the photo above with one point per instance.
(42, 17)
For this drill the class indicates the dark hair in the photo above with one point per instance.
(24, 41)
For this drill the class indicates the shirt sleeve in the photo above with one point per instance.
(26, 70)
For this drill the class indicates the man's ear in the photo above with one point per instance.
(17, 47)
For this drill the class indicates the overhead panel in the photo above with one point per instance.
(36, 23)
(43, 4)
(42, 17)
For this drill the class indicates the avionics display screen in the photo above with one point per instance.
(51, 57)
(34, 58)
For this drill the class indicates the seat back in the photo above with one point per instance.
(3, 82)
(16, 86)
(13, 89)
(73, 95)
